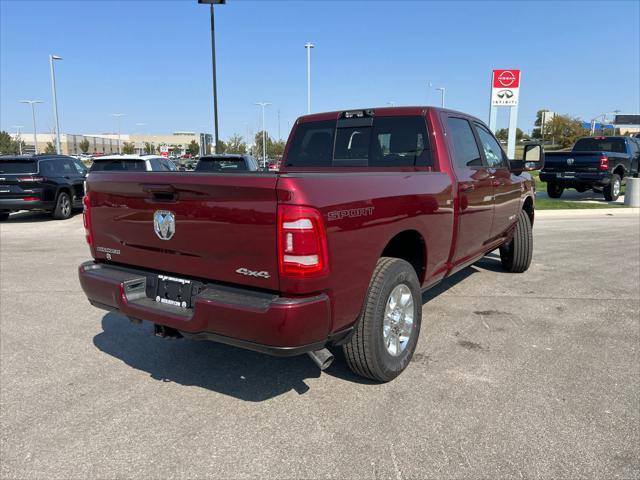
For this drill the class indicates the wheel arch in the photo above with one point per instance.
(529, 207)
(409, 245)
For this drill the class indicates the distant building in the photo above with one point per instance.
(107, 143)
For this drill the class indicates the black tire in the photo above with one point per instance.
(554, 189)
(4, 216)
(612, 191)
(516, 255)
(63, 207)
(366, 352)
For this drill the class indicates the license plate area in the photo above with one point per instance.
(567, 175)
(178, 292)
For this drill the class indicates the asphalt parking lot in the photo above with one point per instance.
(526, 376)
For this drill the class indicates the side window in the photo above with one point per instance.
(156, 165)
(492, 150)
(399, 142)
(465, 149)
(68, 168)
(46, 169)
(169, 165)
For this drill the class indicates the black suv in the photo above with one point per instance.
(53, 183)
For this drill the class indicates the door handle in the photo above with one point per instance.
(467, 187)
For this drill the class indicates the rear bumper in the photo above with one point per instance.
(20, 204)
(246, 318)
(572, 178)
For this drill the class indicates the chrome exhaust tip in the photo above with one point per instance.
(322, 358)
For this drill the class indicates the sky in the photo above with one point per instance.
(151, 60)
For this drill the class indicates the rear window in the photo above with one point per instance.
(116, 164)
(221, 165)
(18, 166)
(600, 145)
(376, 142)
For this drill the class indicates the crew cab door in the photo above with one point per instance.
(506, 188)
(475, 190)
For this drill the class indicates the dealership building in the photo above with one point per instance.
(107, 143)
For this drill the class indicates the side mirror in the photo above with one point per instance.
(532, 159)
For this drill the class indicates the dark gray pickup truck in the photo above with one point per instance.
(598, 163)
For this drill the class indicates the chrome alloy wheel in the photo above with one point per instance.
(398, 320)
(616, 188)
(66, 206)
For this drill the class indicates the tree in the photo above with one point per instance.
(502, 134)
(236, 144)
(8, 144)
(565, 130)
(257, 150)
(276, 149)
(148, 147)
(221, 147)
(536, 132)
(50, 148)
(128, 148)
(194, 148)
(84, 146)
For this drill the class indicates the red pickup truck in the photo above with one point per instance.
(369, 208)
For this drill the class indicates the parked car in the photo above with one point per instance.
(140, 163)
(53, 183)
(370, 208)
(598, 163)
(227, 163)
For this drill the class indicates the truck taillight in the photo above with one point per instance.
(86, 219)
(604, 163)
(302, 242)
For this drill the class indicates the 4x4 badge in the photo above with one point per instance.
(164, 224)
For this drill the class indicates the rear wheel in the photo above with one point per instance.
(386, 333)
(63, 207)
(4, 216)
(516, 255)
(612, 191)
(554, 189)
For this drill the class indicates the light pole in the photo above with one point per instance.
(264, 133)
(33, 114)
(442, 91)
(211, 3)
(118, 116)
(429, 87)
(55, 101)
(18, 136)
(309, 46)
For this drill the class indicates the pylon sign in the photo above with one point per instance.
(505, 88)
(505, 92)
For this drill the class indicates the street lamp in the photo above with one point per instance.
(55, 101)
(442, 91)
(18, 136)
(118, 116)
(33, 114)
(429, 87)
(211, 3)
(309, 46)
(264, 133)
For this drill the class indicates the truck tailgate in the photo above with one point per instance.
(224, 224)
(571, 161)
